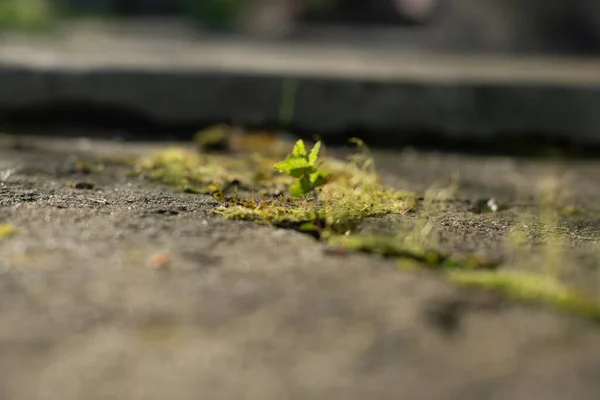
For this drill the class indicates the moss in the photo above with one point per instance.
(87, 167)
(529, 287)
(255, 191)
(279, 212)
(7, 230)
(571, 211)
(199, 173)
(250, 189)
(396, 247)
(336, 209)
(349, 196)
(213, 138)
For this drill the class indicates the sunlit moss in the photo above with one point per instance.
(335, 208)
(7, 230)
(529, 287)
(261, 194)
(189, 170)
(397, 247)
(251, 189)
(213, 138)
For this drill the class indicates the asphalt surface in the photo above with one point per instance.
(133, 290)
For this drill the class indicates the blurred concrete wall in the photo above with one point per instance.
(571, 26)
(524, 25)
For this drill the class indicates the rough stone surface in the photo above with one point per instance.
(181, 80)
(247, 312)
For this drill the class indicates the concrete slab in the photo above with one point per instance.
(249, 312)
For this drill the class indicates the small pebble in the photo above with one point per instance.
(160, 260)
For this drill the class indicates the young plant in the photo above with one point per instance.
(304, 167)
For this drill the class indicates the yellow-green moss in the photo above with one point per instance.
(336, 207)
(90, 166)
(192, 171)
(397, 247)
(251, 189)
(524, 286)
(7, 230)
(261, 194)
(571, 210)
(277, 212)
(213, 138)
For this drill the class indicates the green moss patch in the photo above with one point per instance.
(342, 194)
(530, 287)
(398, 247)
(330, 198)
(7, 230)
(212, 174)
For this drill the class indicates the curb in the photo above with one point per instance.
(323, 90)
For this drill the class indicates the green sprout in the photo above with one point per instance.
(304, 167)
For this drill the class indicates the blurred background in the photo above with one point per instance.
(497, 26)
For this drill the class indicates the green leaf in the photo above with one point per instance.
(290, 163)
(301, 187)
(294, 166)
(299, 149)
(314, 153)
(300, 172)
(302, 166)
(317, 178)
